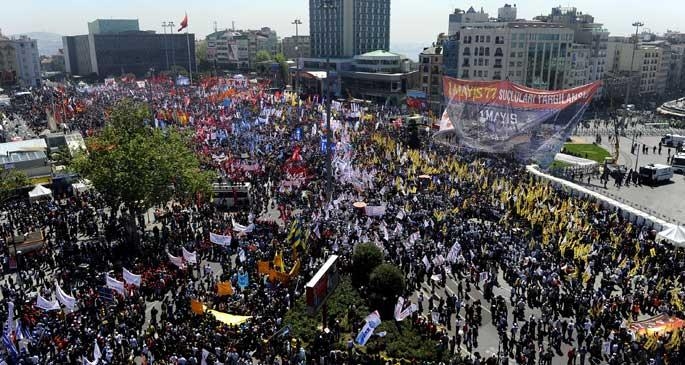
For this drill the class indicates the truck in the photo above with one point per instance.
(673, 140)
(678, 163)
(653, 174)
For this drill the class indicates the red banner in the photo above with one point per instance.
(516, 96)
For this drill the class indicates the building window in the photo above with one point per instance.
(467, 51)
(487, 51)
(465, 74)
(425, 60)
(487, 39)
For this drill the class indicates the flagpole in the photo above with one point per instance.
(190, 68)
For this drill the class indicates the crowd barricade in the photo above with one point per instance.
(630, 213)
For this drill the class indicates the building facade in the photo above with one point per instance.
(130, 51)
(8, 62)
(528, 53)
(590, 41)
(19, 62)
(430, 76)
(649, 63)
(237, 49)
(379, 76)
(290, 45)
(113, 26)
(344, 28)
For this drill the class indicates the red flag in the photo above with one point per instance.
(184, 23)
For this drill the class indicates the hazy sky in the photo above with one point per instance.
(412, 21)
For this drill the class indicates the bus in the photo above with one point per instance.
(232, 195)
(678, 163)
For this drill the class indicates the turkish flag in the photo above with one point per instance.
(184, 23)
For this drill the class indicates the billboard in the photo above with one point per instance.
(322, 285)
(502, 117)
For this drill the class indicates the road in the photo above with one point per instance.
(662, 201)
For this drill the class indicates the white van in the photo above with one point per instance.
(655, 173)
(678, 163)
(673, 140)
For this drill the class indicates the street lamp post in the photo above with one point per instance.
(297, 22)
(637, 26)
(166, 45)
(328, 5)
(171, 25)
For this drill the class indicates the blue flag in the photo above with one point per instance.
(243, 280)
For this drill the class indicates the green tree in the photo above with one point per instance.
(61, 157)
(365, 258)
(10, 181)
(137, 166)
(283, 68)
(262, 56)
(201, 57)
(386, 283)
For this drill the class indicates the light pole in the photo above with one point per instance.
(297, 22)
(328, 5)
(637, 26)
(171, 25)
(166, 46)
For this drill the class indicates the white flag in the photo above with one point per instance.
(131, 278)
(426, 262)
(46, 305)
(205, 354)
(66, 300)
(115, 284)
(220, 240)
(398, 308)
(96, 351)
(176, 261)
(189, 256)
(10, 317)
(454, 253)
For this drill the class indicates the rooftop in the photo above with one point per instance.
(380, 53)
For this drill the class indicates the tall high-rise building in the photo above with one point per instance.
(344, 28)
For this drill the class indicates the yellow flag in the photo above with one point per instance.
(278, 262)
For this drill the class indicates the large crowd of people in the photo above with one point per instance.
(563, 276)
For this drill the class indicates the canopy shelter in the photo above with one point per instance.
(80, 187)
(674, 234)
(40, 192)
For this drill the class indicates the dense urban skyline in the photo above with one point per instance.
(71, 16)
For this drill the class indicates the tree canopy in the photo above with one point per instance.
(139, 166)
(365, 258)
(262, 56)
(10, 181)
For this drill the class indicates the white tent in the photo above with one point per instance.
(81, 186)
(39, 192)
(675, 234)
